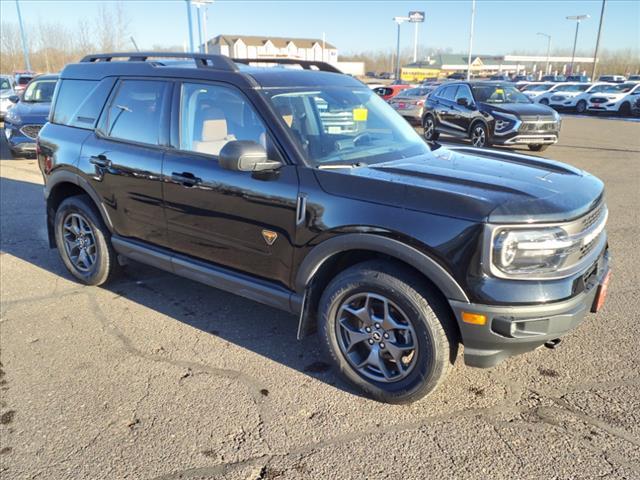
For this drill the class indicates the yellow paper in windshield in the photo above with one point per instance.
(360, 114)
(499, 91)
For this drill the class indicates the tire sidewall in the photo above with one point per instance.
(429, 367)
(486, 134)
(434, 134)
(100, 271)
(583, 104)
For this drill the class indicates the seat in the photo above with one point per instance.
(214, 134)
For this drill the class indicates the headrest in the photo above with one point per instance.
(214, 127)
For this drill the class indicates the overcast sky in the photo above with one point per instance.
(354, 26)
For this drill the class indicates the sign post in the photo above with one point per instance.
(416, 18)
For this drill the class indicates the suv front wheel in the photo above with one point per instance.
(479, 135)
(429, 129)
(386, 331)
(83, 241)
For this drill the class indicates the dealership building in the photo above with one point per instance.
(482, 65)
(244, 46)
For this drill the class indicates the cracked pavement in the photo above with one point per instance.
(157, 377)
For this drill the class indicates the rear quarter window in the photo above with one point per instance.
(79, 102)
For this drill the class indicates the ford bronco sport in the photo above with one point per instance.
(300, 188)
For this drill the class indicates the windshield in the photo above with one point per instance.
(337, 125)
(40, 91)
(498, 94)
(573, 88)
(4, 84)
(540, 87)
(621, 88)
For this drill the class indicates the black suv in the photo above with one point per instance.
(489, 113)
(301, 189)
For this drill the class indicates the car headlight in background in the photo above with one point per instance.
(505, 123)
(524, 251)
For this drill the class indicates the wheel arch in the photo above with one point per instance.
(63, 184)
(332, 256)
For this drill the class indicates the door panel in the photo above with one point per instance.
(220, 215)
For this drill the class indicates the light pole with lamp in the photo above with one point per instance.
(202, 25)
(548, 49)
(578, 19)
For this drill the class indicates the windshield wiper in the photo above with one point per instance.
(331, 166)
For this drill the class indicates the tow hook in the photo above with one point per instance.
(553, 344)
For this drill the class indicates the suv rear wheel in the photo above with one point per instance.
(386, 333)
(83, 241)
(429, 129)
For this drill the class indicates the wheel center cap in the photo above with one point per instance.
(376, 336)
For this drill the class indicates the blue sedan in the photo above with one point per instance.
(31, 111)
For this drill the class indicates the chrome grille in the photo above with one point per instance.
(31, 131)
(538, 126)
(598, 100)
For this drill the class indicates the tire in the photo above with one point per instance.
(430, 134)
(479, 135)
(538, 147)
(625, 109)
(581, 106)
(427, 323)
(78, 219)
(544, 101)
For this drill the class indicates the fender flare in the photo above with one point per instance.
(65, 176)
(376, 243)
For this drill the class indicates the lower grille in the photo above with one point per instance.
(31, 131)
(538, 126)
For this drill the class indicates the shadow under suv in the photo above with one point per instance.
(226, 174)
(489, 113)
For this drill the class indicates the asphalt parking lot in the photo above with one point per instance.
(157, 377)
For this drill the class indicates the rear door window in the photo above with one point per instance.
(79, 102)
(136, 111)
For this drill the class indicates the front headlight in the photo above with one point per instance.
(504, 123)
(525, 251)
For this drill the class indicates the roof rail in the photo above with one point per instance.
(218, 62)
(306, 64)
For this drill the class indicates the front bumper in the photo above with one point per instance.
(528, 139)
(18, 141)
(511, 330)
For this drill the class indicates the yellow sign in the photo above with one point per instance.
(418, 74)
(360, 114)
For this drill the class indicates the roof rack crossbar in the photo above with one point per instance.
(306, 64)
(218, 62)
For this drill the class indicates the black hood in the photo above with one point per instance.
(519, 109)
(474, 184)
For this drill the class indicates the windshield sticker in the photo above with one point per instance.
(360, 114)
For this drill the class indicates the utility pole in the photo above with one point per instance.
(199, 28)
(548, 49)
(202, 24)
(473, 16)
(595, 54)
(23, 35)
(578, 19)
(190, 25)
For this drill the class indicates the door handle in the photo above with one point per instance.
(100, 161)
(187, 179)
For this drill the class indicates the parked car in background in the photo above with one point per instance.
(578, 78)
(545, 97)
(390, 91)
(612, 78)
(25, 119)
(575, 97)
(523, 78)
(22, 79)
(410, 102)
(457, 76)
(634, 78)
(537, 91)
(6, 92)
(489, 113)
(615, 99)
(502, 77)
(553, 78)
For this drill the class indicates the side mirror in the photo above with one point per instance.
(246, 156)
(462, 101)
(14, 98)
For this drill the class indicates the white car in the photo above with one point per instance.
(537, 92)
(576, 96)
(615, 99)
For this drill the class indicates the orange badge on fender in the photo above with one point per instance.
(269, 236)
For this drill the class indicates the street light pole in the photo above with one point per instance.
(473, 16)
(188, 2)
(415, 42)
(595, 54)
(202, 25)
(578, 19)
(548, 49)
(23, 35)
(399, 21)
